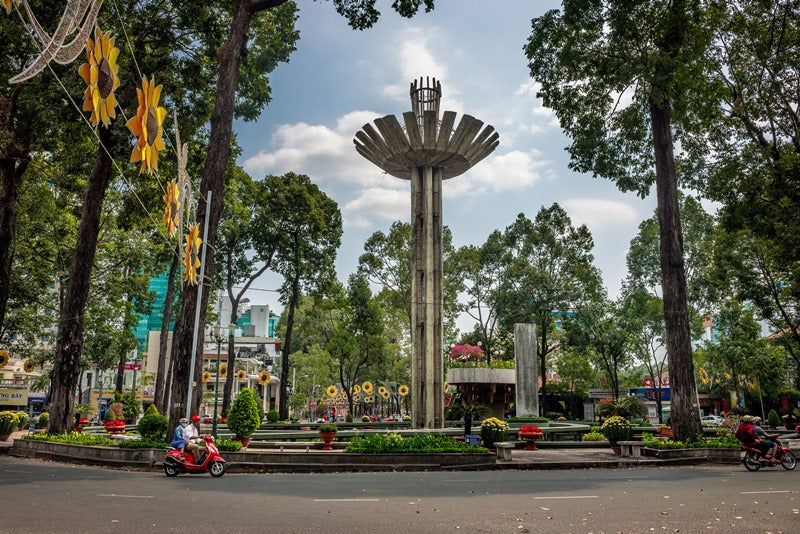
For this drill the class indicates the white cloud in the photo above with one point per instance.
(600, 215)
(377, 203)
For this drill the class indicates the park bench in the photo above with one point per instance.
(631, 448)
(504, 449)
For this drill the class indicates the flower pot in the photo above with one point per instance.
(327, 439)
(530, 439)
(244, 441)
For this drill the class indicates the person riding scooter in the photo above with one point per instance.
(191, 435)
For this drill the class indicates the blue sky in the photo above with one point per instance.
(339, 79)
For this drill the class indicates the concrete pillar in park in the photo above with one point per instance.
(426, 150)
(526, 365)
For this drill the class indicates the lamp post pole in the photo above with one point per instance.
(218, 338)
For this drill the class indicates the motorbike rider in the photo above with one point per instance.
(191, 435)
(764, 437)
(746, 434)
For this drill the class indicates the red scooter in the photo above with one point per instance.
(213, 462)
(753, 460)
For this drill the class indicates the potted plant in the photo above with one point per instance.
(530, 434)
(243, 417)
(8, 424)
(327, 431)
(492, 431)
(114, 419)
(616, 429)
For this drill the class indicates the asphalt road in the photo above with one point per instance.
(36, 496)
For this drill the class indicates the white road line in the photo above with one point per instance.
(126, 496)
(566, 497)
(347, 500)
(758, 492)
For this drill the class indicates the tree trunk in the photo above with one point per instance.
(283, 394)
(219, 150)
(228, 390)
(160, 397)
(69, 342)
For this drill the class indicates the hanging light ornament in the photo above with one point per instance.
(192, 260)
(100, 75)
(172, 209)
(146, 126)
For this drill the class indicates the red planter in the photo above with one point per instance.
(530, 439)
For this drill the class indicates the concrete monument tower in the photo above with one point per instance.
(426, 151)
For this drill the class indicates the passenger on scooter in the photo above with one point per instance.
(746, 434)
(764, 437)
(177, 437)
(191, 434)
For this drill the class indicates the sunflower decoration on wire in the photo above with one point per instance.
(8, 4)
(241, 376)
(355, 390)
(100, 75)
(173, 204)
(206, 376)
(367, 387)
(192, 260)
(3, 358)
(331, 391)
(402, 390)
(263, 378)
(223, 370)
(146, 125)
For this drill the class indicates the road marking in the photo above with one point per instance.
(758, 492)
(347, 500)
(126, 496)
(566, 497)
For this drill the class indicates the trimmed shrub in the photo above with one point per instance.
(243, 417)
(153, 427)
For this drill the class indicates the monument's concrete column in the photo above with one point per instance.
(526, 366)
(426, 150)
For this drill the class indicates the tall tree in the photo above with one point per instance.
(592, 59)
(548, 270)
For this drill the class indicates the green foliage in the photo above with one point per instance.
(243, 417)
(272, 416)
(327, 427)
(153, 427)
(143, 444)
(421, 443)
(228, 445)
(616, 429)
(8, 422)
(493, 430)
(74, 438)
(773, 419)
(44, 420)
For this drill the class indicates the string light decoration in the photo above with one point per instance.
(147, 126)
(191, 261)
(78, 14)
(100, 75)
(172, 209)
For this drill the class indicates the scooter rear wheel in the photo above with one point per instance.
(170, 471)
(217, 469)
(788, 461)
(751, 462)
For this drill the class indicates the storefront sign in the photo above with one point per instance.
(13, 397)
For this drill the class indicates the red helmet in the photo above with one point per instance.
(195, 418)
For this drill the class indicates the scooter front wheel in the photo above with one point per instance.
(788, 461)
(217, 469)
(751, 462)
(170, 471)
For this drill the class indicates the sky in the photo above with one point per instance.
(340, 79)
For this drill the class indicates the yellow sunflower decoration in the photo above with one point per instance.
(173, 204)
(28, 366)
(100, 75)
(402, 391)
(381, 390)
(223, 370)
(241, 375)
(3, 358)
(263, 378)
(331, 391)
(385, 394)
(146, 126)
(192, 259)
(206, 376)
(355, 390)
(8, 3)
(367, 387)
